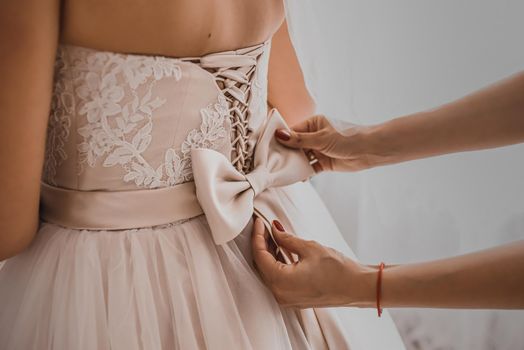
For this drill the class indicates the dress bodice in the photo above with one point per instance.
(126, 121)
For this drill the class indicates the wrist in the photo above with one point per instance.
(401, 139)
(362, 290)
(379, 145)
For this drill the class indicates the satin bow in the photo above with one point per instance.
(228, 197)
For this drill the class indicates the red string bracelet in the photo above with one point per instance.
(379, 287)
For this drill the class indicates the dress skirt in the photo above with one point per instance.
(172, 287)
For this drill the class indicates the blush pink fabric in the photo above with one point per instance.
(138, 189)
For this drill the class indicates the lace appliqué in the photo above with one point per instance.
(59, 124)
(177, 162)
(121, 131)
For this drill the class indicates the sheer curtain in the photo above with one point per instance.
(370, 61)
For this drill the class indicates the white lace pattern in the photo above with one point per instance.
(118, 130)
(59, 124)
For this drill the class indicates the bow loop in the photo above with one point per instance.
(228, 197)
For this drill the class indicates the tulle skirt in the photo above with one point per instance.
(171, 287)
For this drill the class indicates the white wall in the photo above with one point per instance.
(401, 57)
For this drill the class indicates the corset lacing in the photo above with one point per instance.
(234, 73)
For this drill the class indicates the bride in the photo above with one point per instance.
(136, 141)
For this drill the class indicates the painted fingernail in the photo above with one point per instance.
(278, 225)
(282, 134)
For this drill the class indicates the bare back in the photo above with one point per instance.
(174, 28)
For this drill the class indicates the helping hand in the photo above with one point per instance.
(321, 277)
(335, 151)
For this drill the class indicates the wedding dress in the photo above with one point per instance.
(153, 168)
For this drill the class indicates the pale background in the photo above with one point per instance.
(383, 59)
(399, 57)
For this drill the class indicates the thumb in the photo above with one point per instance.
(288, 241)
(295, 139)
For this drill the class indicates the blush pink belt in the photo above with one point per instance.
(118, 210)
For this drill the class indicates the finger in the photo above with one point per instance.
(307, 125)
(300, 133)
(312, 124)
(312, 140)
(278, 252)
(266, 263)
(270, 243)
(288, 241)
(259, 242)
(325, 163)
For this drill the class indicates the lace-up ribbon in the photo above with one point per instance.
(225, 195)
(234, 73)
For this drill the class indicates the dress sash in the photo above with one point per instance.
(118, 210)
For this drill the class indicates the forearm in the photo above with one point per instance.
(488, 279)
(286, 85)
(491, 117)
